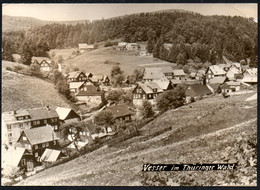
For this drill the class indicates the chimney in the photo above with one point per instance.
(15, 112)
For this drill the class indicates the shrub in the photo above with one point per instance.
(147, 109)
(18, 68)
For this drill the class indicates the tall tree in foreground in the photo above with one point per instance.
(147, 109)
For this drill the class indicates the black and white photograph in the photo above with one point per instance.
(129, 94)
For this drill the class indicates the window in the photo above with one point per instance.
(34, 122)
(36, 154)
(126, 118)
(10, 134)
(43, 145)
(36, 147)
(47, 144)
(9, 127)
(55, 127)
(21, 125)
(10, 143)
(38, 122)
(45, 121)
(54, 142)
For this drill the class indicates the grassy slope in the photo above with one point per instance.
(93, 61)
(20, 92)
(193, 139)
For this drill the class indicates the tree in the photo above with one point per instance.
(136, 76)
(147, 109)
(104, 118)
(181, 60)
(171, 99)
(117, 76)
(71, 131)
(57, 76)
(115, 95)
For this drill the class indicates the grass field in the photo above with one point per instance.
(94, 61)
(201, 132)
(21, 92)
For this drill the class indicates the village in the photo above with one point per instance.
(42, 136)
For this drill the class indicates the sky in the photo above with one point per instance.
(66, 12)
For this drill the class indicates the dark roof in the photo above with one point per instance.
(40, 135)
(42, 113)
(75, 74)
(120, 110)
(195, 90)
(90, 93)
(215, 86)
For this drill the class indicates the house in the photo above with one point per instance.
(101, 80)
(84, 47)
(77, 76)
(122, 45)
(192, 75)
(75, 86)
(92, 97)
(214, 88)
(225, 67)
(16, 58)
(152, 73)
(146, 91)
(196, 91)
(120, 112)
(179, 74)
(14, 122)
(218, 80)
(251, 72)
(67, 115)
(89, 75)
(214, 71)
(164, 85)
(230, 86)
(250, 79)
(36, 140)
(16, 157)
(44, 62)
(168, 72)
(232, 73)
(132, 46)
(50, 155)
(200, 74)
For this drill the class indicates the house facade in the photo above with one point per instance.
(36, 140)
(14, 122)
(92, 98)
(230, 86)
(121, 113)
(179, 74)
(77, 76)
(44, 62)
(214, 71)
(146, 91)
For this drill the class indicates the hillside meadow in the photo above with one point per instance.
(22, 92)
(100, 61)
(202, 132)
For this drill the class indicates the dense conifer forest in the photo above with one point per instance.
(189, 36)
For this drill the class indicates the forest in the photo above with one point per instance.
(190, 36)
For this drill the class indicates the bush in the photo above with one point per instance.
(18, 68)
(109, 43)
(147, 109)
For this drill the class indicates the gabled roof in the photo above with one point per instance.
(64, 112)
(12, 156)
(90, 93)
(34, 113)
(149, 86)
(50, 155)
(152, 73)
(232, 83)
(163, 84)
(178, 72)
(96, 78)
(40, 135)
(42, 113)
(40, 59)
(195, 90)
(250, 79)
(76, 85)
(215, 86)
(217, 70)
(200, 73)
(83, 46)
(74, 74)
(120, 110)
(218, 80)
(166, 69)
(251, 71)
